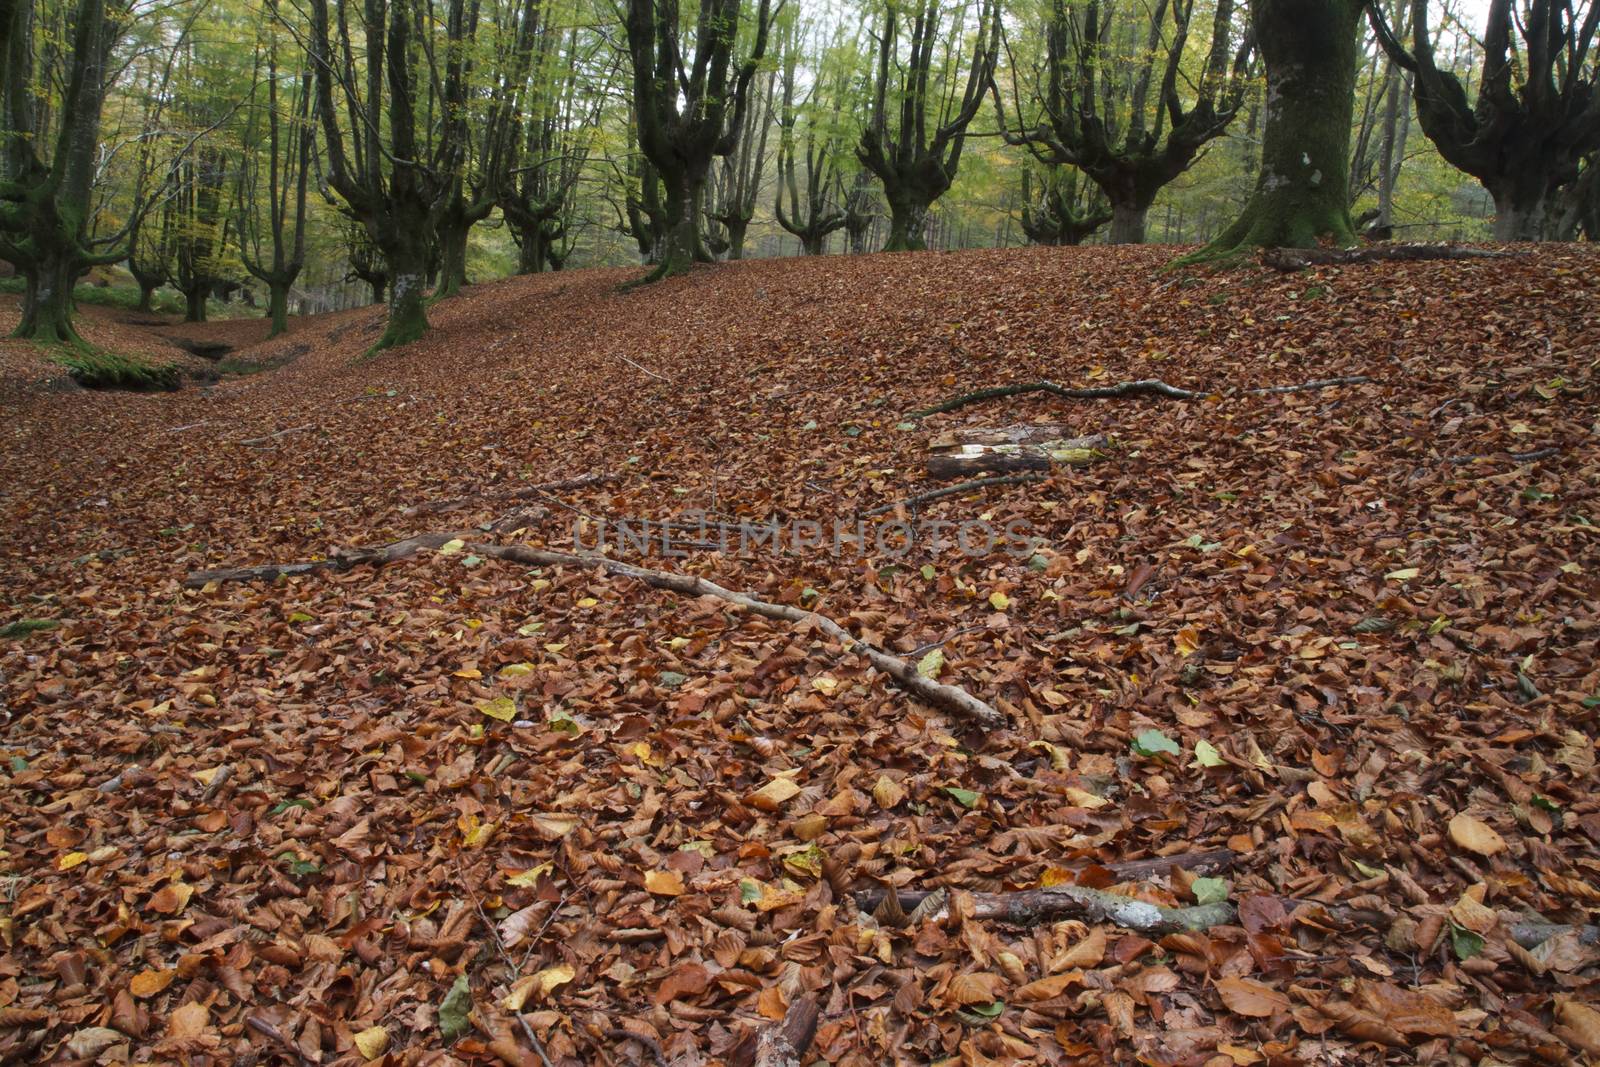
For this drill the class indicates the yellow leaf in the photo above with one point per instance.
(451, 547)
(543, 984)
(773, 795)
(205, 777)
(529, 878)
(824, 684)
(71, 860)
(1082, 798)
(372, 1042)
(588, 602)
(502, 708)
(999, 601)
(1403, 574)
(555, 646)
(469, 672)
(640, 750)
(516, 670)
(1474, 835)
(475, 834)
(666, 883)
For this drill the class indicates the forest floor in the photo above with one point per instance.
(1347, 635)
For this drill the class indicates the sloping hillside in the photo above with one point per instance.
(1342, 641)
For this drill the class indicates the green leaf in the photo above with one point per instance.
(299, 616)
(928, 572)
(988, 1011)
(1465, 943)
(930, 665)
(1592, 702)
(1209, 890)
(455, 1009)
(749, 890)
(563, 723)
(1206, 755)
(284, 805)
(671, 679)
(1152, 742)
(905, 426)
(24, 627)
(965, 797)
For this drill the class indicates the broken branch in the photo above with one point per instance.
(1293, 259)
(1142, 387)
(955, 490)
(948, 698)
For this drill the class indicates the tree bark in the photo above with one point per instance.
(47, 301)
(1128, 223)
(278, 308)
(1310, 49)
(408, 314)
(908, 222)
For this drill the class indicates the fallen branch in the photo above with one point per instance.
(1142, 387)
(644, 369)
(783, 1044)
(1206, 862)
(522, 493)
(1304, 387)
(339, 561)
(1293, 259)
(1517, 457)
(948, 698)
(1012, 448)
(275, 436)
(954, 490)
(1031, 906)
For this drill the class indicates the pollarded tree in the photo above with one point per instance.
(395, 174)
(200, 228)
(1056, 216)
(1113, 104)
(290, 139)
(860, 208)
(1537, 112)
(918, 124)
(820, 212)
(48, 158)
(734, 190)
(689, 100)
(1310, 49)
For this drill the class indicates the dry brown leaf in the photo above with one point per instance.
(1474, 835)
(1249, 997)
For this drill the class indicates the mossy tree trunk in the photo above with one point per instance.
(1310, 50)
(908, 222)
(684, 125)
(45, 187)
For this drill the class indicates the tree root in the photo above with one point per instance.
(522, 493)
(1142, 387)
(947, 698)
(1293, 259)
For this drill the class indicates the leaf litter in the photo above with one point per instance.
(420, 813)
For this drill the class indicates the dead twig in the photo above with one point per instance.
(643, 369)
(505, 957)
(275, 436)
(954, 490)
(948, 698)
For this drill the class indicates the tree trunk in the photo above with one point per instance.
(531, 252)
(813, 244)
(47, 302)
(908, 219)
(1127, 224)
(1310, 50)
(680, 245)
(194, 304)
(736, 231)
(147, 295)
(1520, 208)
(380, 290)
(453, 265)
(408, 314)
(278, 308)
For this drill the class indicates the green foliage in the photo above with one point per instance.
(95, 368)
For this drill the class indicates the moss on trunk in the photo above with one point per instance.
(1310, 50)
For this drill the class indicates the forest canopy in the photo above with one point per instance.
(305, 155)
